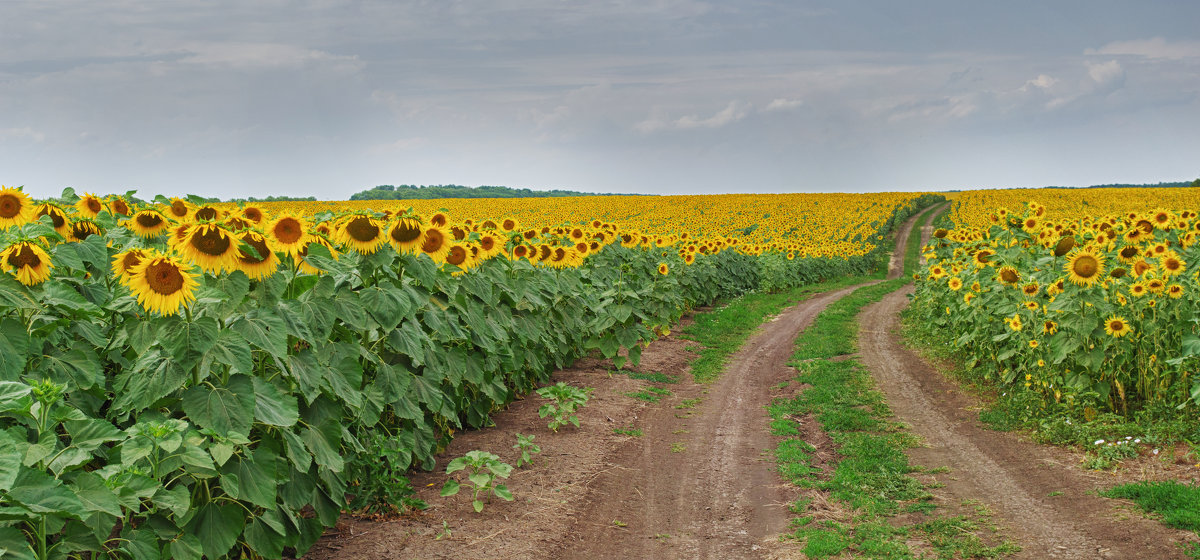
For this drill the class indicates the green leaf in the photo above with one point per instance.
(386, 303)
(14, 395)
(1191, 345)
(218, 527)
(14, 544)
(178, 500)
(140, 543)
(14, 348)
(10, 461)
(272, 406)
(296, 452)
(504, 493)
(230, 349)
(91, 433)
(450, 488)
(264, 330)
(222, 409)
(82, 369)
(478, 505)
(14, 294)
(254, 483)
(263, 540)
(186, 547)
(325, 445)
(188, 341)
(42, 493)
(95, 495)
(153, 377)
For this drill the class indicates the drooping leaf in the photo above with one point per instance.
(188, 341)
(222, 409)
(42, 493)
(217, 525)
(264, 330)
(95, 495)
(273, 406)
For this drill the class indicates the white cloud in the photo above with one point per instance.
(1155, 47)
(782, 104)
(1105, 73)
(732, 113)
(23, 133)
(1042, 82)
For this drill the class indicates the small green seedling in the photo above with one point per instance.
(483, 468)
(527, 448)
(564, 399)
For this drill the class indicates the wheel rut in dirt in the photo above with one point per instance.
(1037, 493)
(701, 483)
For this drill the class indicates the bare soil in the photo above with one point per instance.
(1038, 494)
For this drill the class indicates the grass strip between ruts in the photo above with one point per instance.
(869, 484)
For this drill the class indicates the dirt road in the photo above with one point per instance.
(1038, 494)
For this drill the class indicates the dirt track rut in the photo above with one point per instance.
(1043, 500)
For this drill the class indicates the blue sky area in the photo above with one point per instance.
(325, 98)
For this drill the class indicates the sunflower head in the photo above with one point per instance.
(84, 228)
(178, 210)
(147, 223)
(27, 261)
(89, 206)
(1116, 326)
(260, 262)
(1008, 275)
(124, 262)
(119, 207)
(1084, 267)
(436, 243)
(207, 214)
(210, 246)
(406, 235)
(1064, 245)
(663, 269)
(15, 208)
(162, 284)
(361, 233)
(58, 218)
(253, 214)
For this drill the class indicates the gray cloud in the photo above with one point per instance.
(328, 97)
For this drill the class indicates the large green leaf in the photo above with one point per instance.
(222, 409)
(80, 368)
(14, 544)
(218, 526)
(325, 445)
(273, 406)
(153, 377)
(263, 329)
(231, 350)
(294, 322)
(386, 303)
(10, 461)
(186, 547)
(188, 341)
(264, 540)
(95, 494)
(15, 295)
(42, 493)
(255, 483)
(14, 395)
(14, 348)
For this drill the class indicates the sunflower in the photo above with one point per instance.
(1014, 323)
(1031, 305)
(1155, 285)
(206, 214)
(262, 265)
(83, 228)
(1031, 289)
(439, 219)
(1172, 264)
(1084, 267)
(253, 214)
(147, 223)
(662, 268)
(967, 297)
(406, 235)
(361, 233)
(1008, 275)
(58, 218)
(303, 265)
(459, 232)
(123, 263)
(89, 206)
(27, 261)
(520, 252)
(436, 243)
(178, 236)
(289, 234)
(1033, 344)
(211, 247)
(491, 244)
(981, 257)
(163, 283)
(178, 210)
(689, 258)
(509, 225)
(1137, 289)
(1174, 291)
(1049, 327)
(119, 207)
(1064, 245)
(236, 224)
(15, 208)
(459, 255)
(1116, 326)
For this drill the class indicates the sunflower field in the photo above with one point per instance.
(1091, 303)
(182, 380)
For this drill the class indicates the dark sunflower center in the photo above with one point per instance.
(1116, 326)
(487, 243)
(361, 229)
(1129, 252)
(1117, 273)
(457, 255)
(1146, 226)
(1172, 264)
(982, 256)
(433, 241)
(149, 220)
(179, 209)
(438, 220)
(509, 225)
(260, 247)
(131, 260)
(164, 277)
(206, 213)
(252, 214)
(211, 242)
(120, 207)
(287, 230)
(24, 257)
(94, 205)
(55, 218)
(10, 206)
(1086, 266)
(1009, 276)
(82, 230)
(1064, 246)
(405, 232)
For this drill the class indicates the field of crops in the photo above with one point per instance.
(181, 379)
(1085, 298)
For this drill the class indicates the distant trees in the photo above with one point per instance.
(406, 192)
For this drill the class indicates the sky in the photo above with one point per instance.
(327, 98)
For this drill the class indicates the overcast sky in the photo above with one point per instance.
(325, 98)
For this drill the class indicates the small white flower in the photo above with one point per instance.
(1138, 440)
(1099, 441)
(1156, 452)
(1128, 437)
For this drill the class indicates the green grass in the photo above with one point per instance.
(650, 394)
(630, 431)
(871, 478)
(656, 377)
(1179, 504)
(722, 331)
(689, 403)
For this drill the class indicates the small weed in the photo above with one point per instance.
(630, 431)
(680, 431)
(1055, 493)
(444, 533)
(483, 469)
(678, 447)
(619, 523)
(655, 377)
(689, 403)
(650, 394)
